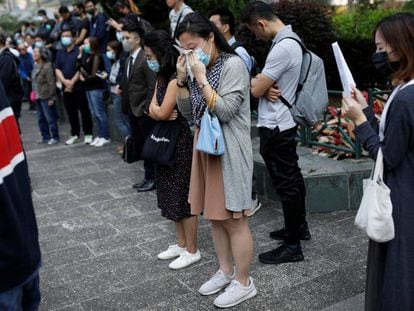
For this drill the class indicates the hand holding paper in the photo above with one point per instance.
(344, 73)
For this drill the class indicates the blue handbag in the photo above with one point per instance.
(210, 139)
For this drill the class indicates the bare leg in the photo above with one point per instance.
(241, 242)
(222, 245)
(190, 226)
(179, 227)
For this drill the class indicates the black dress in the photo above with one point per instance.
(390, 267)
(173, 183)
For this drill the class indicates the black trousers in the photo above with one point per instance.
(74, 103)
(140, 128)
(278, 150)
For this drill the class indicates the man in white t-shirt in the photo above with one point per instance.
(280, 76)
(178, 11)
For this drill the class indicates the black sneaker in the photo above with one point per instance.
(284, 253)
(282, 235)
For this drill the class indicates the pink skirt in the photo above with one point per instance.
(206, 194)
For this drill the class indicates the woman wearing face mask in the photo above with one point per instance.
(390, 273)
(92, 72)
(43, 82)
(220, 186)
(172, 183)
(113, 53)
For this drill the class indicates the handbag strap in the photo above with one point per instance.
(378, 170)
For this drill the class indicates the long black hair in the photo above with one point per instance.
(162, 45)
(199, 25)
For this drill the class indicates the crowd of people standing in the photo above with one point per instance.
(174, 79)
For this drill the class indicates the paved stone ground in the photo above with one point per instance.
(100, 238)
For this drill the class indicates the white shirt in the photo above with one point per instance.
(184, 10)
(283, 64)
(243, 54)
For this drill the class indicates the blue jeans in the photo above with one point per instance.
(121, 120)
(98, 111)
(47, 119)
(25, 297)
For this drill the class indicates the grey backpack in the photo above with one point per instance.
(312, 92)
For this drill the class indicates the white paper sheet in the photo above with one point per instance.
(344, 73)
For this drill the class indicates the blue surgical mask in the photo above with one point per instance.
(39, 44)
(19, 41)
(119, 36)
(110, 55)
(66, 41)
(87, 49)
(154, 65)
(202, 56)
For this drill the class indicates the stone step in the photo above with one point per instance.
(331, 185)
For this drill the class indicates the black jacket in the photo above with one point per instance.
(19, 245)
(9, 76)
(138, 89)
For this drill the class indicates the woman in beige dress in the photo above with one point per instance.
(220, 186)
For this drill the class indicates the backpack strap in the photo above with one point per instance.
(236, 44)
(178, 23)
(304, 49)
(300, 84)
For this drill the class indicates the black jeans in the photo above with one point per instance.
(141, 127)
(278, 150)
(74, 103)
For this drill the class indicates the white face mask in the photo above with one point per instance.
(126, 46)
(110, 55)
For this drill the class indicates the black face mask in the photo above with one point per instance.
(90, 11)
(385, 67)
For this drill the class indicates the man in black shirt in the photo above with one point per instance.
(74, 96)
(83, 29)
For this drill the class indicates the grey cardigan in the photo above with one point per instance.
(233, 111)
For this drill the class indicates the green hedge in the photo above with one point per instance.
(9, 23)
(360, 23)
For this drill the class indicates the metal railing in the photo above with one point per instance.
(309, 137)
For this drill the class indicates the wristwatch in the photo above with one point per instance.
(182, 84)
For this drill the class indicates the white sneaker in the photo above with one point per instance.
(171, 252)
(95, 141)
(184, 260)
(53, 141)
(88, 139)
(256, 205)
(235, 294)
(102, 142)
(217, 282)
(72, 140)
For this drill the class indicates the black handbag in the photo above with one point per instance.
(161, 143)
(131, 152)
